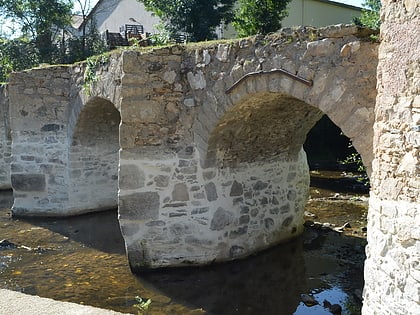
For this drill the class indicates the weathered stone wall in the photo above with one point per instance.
(211, 165)
(65, 141)
(5, 139)
(392, 269)
(188, 139)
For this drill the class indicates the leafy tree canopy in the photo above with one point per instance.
(197, 18)
(37, 19)
(259, 16)
(370, 16)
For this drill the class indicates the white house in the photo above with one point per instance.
(111, 15)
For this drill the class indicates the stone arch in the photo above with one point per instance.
(347, 102)
(93, 156)
(271, 124)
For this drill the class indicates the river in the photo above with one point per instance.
(81, 259)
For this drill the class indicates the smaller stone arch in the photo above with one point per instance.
(93, 157)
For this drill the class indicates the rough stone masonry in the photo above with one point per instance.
(392, 268)
(199, 145)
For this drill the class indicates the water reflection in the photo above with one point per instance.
(82, 259)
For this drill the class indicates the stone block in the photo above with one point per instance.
(131, 177)
(28, 182)
(139, 206)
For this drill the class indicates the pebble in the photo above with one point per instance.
(308, 300)
(5, 244)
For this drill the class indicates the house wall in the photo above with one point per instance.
(317, 13)
(110, 15)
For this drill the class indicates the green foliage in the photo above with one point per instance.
(142, 305)
(259, 16)
(38, 20)
(15, 55)
(92, 65)
(370, 16)
(197, 18)
(354, 159)
(163, 37)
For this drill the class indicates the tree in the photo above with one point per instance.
(15, 55)
(197, 18)
(370, 16)
(39, 19)
(259, 16)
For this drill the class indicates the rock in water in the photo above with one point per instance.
(5, 244)
(308, 300)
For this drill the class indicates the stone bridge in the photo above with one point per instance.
(200, 146)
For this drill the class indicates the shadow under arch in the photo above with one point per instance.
(260, 127)
(93, 157)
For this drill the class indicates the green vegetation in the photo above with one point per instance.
(196, 18)
(92, 65)
(142, 305)
(370, 16)
(259, 16)
(354, 159)
(43, 35)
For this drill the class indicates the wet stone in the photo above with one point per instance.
(244, 209)
(285, 208)
(260, 185)
(291, 195)
(236, 189)
(244, 219)
(154, 223)
(236, 250)
(5, 244)
(28, 182)
(287, 222)
(200, 210)
(274, 201)
(162, 181)
(238, 200)
(131, 177)
(211, 191)
(264, 201)
(208, 175)
(254, 212)
(140, 206)
(238, 232)
(268, 223)
(180, 192)
(221, 219)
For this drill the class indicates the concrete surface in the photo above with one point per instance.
(17, 303)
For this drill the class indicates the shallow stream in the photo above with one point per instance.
(82, 259)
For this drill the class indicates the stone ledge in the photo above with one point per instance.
(17, 303)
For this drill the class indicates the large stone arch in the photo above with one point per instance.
(49, 106)
(93, 157)
(195, 201)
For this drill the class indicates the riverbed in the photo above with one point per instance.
(82, 259)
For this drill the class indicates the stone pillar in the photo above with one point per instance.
(38, 117)
(392, 269)
(175, 213)
(5, 139)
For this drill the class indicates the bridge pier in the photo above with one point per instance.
(176, 213)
